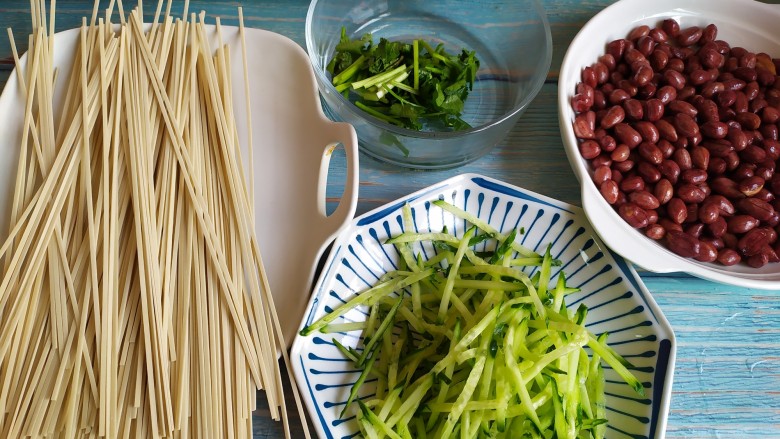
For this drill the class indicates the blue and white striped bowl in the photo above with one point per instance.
(617, 300)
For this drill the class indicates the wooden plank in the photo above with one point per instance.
(728, 357)
(264, 427)
(286, 18)
(728, 363)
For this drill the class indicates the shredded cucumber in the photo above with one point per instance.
(465, 344)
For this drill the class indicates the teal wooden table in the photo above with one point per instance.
(727, 378)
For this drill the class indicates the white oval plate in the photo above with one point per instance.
(293, 142)
(746, 23)
(617, 299)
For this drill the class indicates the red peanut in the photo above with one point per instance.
(682, 133)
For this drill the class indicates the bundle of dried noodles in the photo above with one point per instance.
(133, 301)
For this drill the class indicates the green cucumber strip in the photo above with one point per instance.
(367, 297)
(552, 356)
(581, 314)
(494, 270)
(559, 292)
(493, 404)
(403, 248)
(466, 355)
(470, 336)
(617, 356)
(516, 379)
(419, 428)
(504, 249)
(377, 423)
(467, 295)
(420, 325)
(544, 273)
(560, 416)
(413, 400)
(595, 383)
(342, 327)
(595, 359)
(503, 396)
(387, 322)
(471, 425)
(537, 403)
(587, 407)
(616, 365)
(486, 381)
(526, 262)
(417, 356)
(520, 344)
(439, 258)
(540, 309)
(369, 431)
(582, 372)
(436, 237)
(403, 430)
(540, 339)
(446, 375)
(518, 384)
(473, 219)
(371, 323)
(465, 425)
(465, 395)
(571, 398)
(461, 307)
(418, 237)
(384, 361)
(353, 391)
(416, 302)
(567, 327)
(453, 274)
(400, 345)
(488, 285)
(590, 424)
(347, 352)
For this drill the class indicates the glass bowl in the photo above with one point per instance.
(512, 41)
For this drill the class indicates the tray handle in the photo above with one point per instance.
(339, 133)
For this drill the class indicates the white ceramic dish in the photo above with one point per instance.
(290, 163)
(744, 23)
(618, 301)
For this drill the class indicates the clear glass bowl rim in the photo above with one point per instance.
(533, 90)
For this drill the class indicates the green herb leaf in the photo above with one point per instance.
(412, 85)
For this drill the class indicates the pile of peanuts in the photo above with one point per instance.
(681, 131)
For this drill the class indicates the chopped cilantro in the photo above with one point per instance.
(413, 85)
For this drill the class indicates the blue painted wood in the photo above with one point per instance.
(728, 359)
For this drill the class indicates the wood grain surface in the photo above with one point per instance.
(727, 377)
